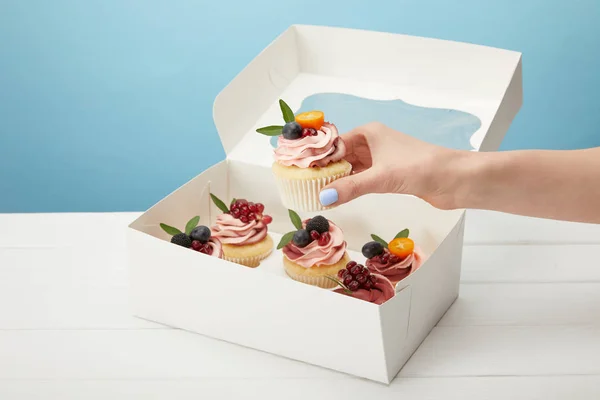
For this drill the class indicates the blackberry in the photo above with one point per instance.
(319, 224)
(301, 238)
(372, 249)
(201, 234)
(182, 239)
(292, 130)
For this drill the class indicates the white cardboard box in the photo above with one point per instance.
(262, 308)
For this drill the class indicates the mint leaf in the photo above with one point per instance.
(170, 230)
(295, 219)
(219, 203)
(285, 239)
(288, 114)
(192, 223)
(380, 240)
(339, 283)
(273, 130)
(402, 234)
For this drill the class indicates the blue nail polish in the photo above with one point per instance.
(328, 196)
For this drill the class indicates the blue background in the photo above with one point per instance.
(106, 105)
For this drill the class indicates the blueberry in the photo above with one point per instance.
(201, 234)
(292, 131)
(301, 238)
(372, 249)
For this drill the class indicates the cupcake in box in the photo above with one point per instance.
(309, 155)
(242, 230)
(198, 238)
(314, 251)
(394, 260)
(357, 281)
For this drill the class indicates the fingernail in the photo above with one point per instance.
(328, 196)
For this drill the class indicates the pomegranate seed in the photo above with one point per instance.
(394, 259)
(351, 264)
(315, 235)
(244, 218)
(385, 257)
(252, 207)
(360, 278)
(267, 219)
(196, 245)
(235, 212)
(260, 207)
(340, 273)
(324, 239)
(355, 270)
(315, 132)
(306, 132)
(347, 279)
(242, 201)
(354, 286)
(244, 209)
(252, 216)
(373, 279)
(367, 285)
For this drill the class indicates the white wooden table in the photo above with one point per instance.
(526, 325)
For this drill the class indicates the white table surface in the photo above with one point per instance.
(526, 325)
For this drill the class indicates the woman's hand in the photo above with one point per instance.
(387, 161)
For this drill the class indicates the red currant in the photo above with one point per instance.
(260, 207)
(347, 279)
(244, 219)
(267, 219)
(360, 278)
(315, 235)
(324, 239)
(196, 245)
(354, 286)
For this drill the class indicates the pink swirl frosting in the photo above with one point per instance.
(311, 151)
(216, 247)
(313, 254)
(382, 291)
(395, 272)
(230, 230)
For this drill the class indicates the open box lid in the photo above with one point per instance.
(450, 93)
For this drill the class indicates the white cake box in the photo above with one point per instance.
(264, 309)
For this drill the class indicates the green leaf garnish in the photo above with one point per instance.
(285, 239)
(170, 230)
(192, 223)
(402, 234)
(219, 203)
(288, 114)
(339, 283)
(295, 219)
(272, 130)
(380, 240)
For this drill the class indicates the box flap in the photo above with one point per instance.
(454, 94)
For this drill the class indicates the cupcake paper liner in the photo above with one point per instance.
(303, 194)
(251, 262)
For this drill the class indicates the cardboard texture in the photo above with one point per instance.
(264, 309)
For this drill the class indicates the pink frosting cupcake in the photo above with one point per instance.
(356, 281)
(394, 260)
(242, 230)
(309, 155)
(314, 252)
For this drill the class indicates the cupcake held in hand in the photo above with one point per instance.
(358, 282)
(242, 229)
(195, 237)
(309, 156)
(314, 251)
(395, 260)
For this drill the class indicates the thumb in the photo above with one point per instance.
(349, 188)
